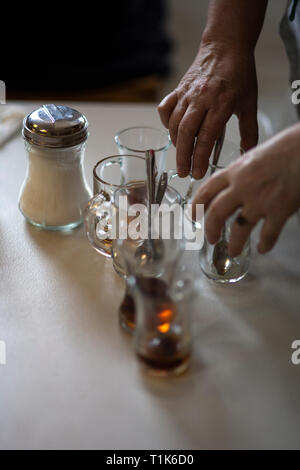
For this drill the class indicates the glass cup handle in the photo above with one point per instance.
(171, 174)
(97, 220)
(187, 196)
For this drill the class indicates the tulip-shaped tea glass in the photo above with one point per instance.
(109, 174)
(128, 247)
(215, 261)
(162, 307)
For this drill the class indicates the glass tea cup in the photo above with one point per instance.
(215, 262)
(130, 253)
(162, 337)
(109, 174)
(137, 140)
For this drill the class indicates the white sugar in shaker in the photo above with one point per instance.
(55, 193)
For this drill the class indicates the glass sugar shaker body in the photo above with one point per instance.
(55, 193)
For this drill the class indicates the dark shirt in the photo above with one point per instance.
(65, 46)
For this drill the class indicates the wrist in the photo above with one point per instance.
(228, 43)
(284, 145)
(219, 53)
(292, 140)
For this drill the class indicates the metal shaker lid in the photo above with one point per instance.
(55, 126)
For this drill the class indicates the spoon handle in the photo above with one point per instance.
(217, 150)
(150, 164)
(161, 187)
(216, 156)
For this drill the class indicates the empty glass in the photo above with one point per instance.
(109, 174)
(136, 140)
(215, 262)
(224, 269)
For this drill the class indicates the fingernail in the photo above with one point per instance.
(261, 249)
(182, 172)
(197, 173)
(211, 238)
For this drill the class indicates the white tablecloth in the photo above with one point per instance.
(71, 379)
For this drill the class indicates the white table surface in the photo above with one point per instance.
(71, 378)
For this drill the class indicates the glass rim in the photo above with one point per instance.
(100, 162)
(161, 131)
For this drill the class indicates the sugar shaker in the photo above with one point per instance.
(55, 192)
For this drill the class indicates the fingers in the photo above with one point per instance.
(270, 233)
(210, 130)
(268, 237)
(222, 206)
(240, 233)
(209, 189)
(166, 107)
(248, 129)
(187, 132)
(176, 118)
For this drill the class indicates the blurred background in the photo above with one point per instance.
(132, 51)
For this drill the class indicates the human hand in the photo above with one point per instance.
(264, 184)
(220, 82)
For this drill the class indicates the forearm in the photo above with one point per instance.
(234, 22)
(220, 82)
